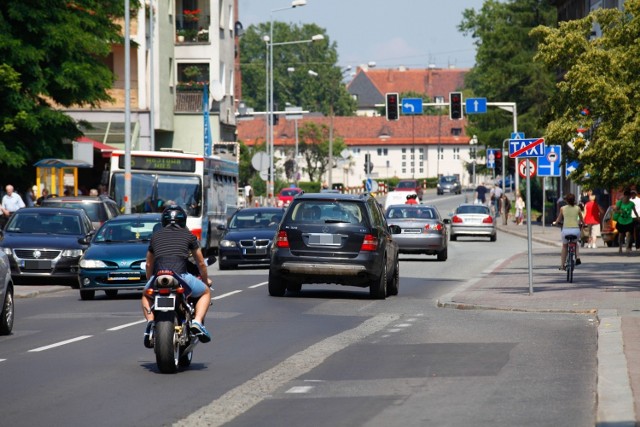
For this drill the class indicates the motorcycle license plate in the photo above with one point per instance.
(164, 303)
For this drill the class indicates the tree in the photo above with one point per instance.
(596, 104)
(504, 70)
(314, 148)
(295, 87)
(52, 53)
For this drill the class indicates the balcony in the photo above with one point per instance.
(189, 99)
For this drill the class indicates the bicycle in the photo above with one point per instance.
(570, 264)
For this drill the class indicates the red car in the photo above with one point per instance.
(410, 185)
(286, 195)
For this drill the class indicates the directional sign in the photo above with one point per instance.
(549, 164)
(531, 147)
(571, 166)
(522, 168)
(411, 106)
(491, 158)
(476, 105)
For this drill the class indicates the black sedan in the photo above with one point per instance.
(44, 243)
(248, 238)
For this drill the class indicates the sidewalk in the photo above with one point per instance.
(605, 285)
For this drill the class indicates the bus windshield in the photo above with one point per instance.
(152, 192)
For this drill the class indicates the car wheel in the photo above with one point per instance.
(293, 287)
(442, 255)
(378, 287)
(111, 293)
(222, 266)
(393, 284)
(87, 295)
(6, 315)
(494, 237)
(277, 286)
(453, 238)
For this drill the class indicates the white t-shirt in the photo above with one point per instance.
(636, 202)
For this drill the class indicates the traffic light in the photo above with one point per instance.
(368, 166)
(455, 105)
(498, 154)
(393, 106)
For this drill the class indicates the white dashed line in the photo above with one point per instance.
(61, 343)
(300, 389)
(2, 360)
(226, 295)
(258, 285)
(117, 328)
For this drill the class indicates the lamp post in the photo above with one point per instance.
(473, 142)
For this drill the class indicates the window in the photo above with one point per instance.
(456, 131)
(456, 153)
(421, 170)
(383, 152)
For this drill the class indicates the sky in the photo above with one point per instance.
(391, 33)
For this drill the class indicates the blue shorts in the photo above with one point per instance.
(197, 286)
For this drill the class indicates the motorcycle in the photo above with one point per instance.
(170, 335)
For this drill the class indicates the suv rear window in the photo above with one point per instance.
(327, 212)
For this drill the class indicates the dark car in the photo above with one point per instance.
(334, 238)
(422, 230)
(449, 184)
(114, 260)
(99, 209)
(248, 238)
(44, 243)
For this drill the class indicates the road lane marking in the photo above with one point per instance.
(61, 343)
(258, 285)
(117, 328)
(226, 295)
(242, 398)
(2, 360)
(300, 389)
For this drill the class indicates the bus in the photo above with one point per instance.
(206, 187)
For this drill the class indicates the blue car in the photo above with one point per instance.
(114, 259)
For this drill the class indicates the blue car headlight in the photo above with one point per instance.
(227, 244)
(92, 263)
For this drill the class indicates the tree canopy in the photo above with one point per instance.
(596, 105)
(504, 70)
(53, 53)
(314, 149)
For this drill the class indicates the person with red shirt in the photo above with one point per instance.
(592, 218)
(411, 199)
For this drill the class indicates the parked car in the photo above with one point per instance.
(608, 229)
(114, 260)
(335, 238)
(410, 185)
(248, 238)
(286, 195)
(44, 243)
(422, 230)
(99, 209)
(6, 296)
(472, 220)
(449, 184)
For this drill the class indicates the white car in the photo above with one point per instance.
(397, 198)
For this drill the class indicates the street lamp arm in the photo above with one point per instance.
(315, 38)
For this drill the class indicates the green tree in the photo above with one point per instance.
(52, 52)
(291, 63)
(313, 146)
(504, 70)
(599, 94)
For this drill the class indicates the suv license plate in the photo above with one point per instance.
(324, 239)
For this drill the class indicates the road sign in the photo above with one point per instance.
(549, 164)
(293, 113)
(260, 161)
(491, 158)
(476, 105)
(411, 106)
(571, 166)
(517, 135)
(531, 147)
(522, 168)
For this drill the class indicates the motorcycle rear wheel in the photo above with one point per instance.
(166, 346)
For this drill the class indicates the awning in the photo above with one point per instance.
(62, 163)
(103, 148)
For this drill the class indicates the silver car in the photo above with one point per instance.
(6, 296)
(422, 230)
(472, 220)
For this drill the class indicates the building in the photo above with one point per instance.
(192, 44)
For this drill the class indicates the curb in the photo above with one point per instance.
(29, 292)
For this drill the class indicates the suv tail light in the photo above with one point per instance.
(370, 243)
(456, 219)
(488, 220)
(282, 241)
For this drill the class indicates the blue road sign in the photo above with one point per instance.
(549, 164)
(476, 105)
(368, 185)
(517, 135)
(411, 106)
(530, 147)
(571, 166)
(491, 158)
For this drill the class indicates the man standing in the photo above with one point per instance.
(496, 193)
(481, 193)
(11, 202)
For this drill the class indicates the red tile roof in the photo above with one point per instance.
(364, 131)
(431, 82)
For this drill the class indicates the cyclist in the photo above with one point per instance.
(570, 217)
(170, 248)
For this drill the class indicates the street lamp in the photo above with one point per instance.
(473, 142)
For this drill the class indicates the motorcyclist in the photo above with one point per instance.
(170, 248)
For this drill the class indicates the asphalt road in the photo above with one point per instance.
(328, 356)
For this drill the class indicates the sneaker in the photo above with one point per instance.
(578, 262)
(148, 334)
(200, 331)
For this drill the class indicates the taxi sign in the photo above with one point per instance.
(530, 147)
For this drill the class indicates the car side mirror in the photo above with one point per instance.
(221, 227)
(446, 220)
(395, 229)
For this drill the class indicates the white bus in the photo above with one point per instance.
(206, 187)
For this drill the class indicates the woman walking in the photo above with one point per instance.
(622, 215)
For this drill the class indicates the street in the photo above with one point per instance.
(328, 356)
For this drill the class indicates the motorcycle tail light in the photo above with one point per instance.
(488, 220)
(370, 243)
(180, 290)
(149, 292)
(164, 291)
(282, 241)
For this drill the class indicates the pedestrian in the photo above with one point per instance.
(592, 217)
(571, 218)
(481, 194)
(520, 206)
(45, 195)
(505, 208)
(11, 202)
(411, 199)
(496, 194)
(248, 195)
(30, 197)
(93, 192)
(636, 220)
(623, 216)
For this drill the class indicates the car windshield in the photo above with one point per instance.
(135, 230)
(327, 212)
(407, 184)
(45, 223)
(411, 212)
(95, 211)
(473, 209)
(256, 219)
(448, 179)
